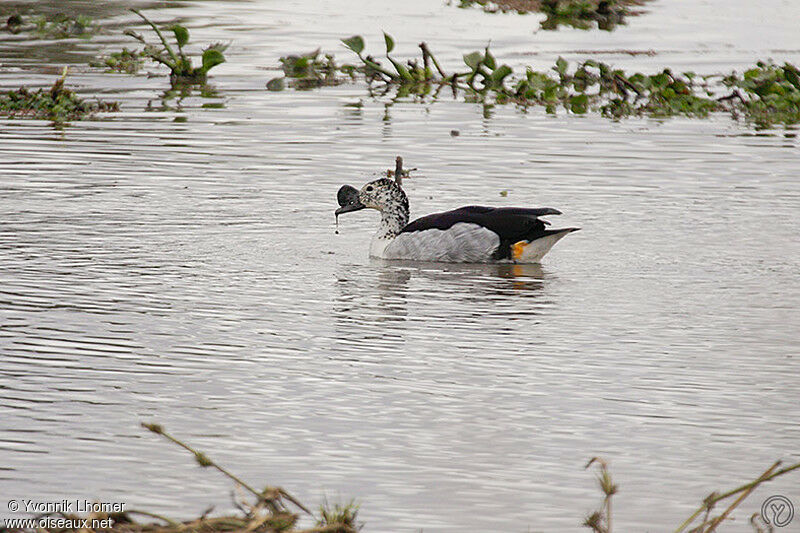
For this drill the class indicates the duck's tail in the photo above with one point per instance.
(533, 251)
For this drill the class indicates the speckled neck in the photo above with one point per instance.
(393, 220)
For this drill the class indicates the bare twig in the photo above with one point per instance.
(398, 170)
(714, 498)
(745, 494)
(167, 47)
(169, 521)
(266, 495)
(426, 52)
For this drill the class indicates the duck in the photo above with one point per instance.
(469, 234)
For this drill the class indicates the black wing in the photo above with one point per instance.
(512, 224)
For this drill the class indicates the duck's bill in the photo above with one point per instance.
(348, 200)
(350, 207)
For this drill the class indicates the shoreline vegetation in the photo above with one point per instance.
(57, 104)
(274, 510)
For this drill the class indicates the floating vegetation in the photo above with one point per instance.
(15, 24)
(764, 95)
(307, 71)
(182, 71)
(581, 14)
(274, 510)
(57, 103)
(60, 26)
(125, 61)
(415, 77)
(768, 93)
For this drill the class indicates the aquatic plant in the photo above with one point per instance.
(768, 93)
(15, 24)
(125, 61)
(581, 14)
(182, 71)
(64, 27)
(764, 95)
(60, 26)
(57, 103)
(306, 71)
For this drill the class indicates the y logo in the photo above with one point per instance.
(777, 511)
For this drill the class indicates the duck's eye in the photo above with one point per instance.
(369, 189)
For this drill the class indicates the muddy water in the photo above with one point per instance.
(179, 264)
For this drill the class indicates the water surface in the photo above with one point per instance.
(180, 265)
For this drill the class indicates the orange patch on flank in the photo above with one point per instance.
(518, 248)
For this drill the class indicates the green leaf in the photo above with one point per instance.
(473, 60)
(561, 65)
(660, 80)
(488, 60)
(354, 43)
(405, 75)
(389, 42)
(579, 103)
(181, 34)
(791, 75)
(211, 58)
(500, 73)
(276, 84)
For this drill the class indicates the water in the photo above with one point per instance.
(180, 266)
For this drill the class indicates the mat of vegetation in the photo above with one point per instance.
(58, 104)
(581, 14)
(765, 94)
(59, 26)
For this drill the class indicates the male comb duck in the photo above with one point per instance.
(471, 234)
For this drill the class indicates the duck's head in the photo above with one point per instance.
(382, 194)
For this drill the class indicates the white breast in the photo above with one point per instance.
(461, 243)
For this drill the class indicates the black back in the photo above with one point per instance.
(511, 224)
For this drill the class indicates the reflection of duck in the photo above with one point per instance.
(383, 303)
(484, 279)
(473, 234)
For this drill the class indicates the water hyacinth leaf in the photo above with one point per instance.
(500, 74)
(791, 75)
(488, 60)
(302, 62)
(660, 80)
(405, 75)
(354, 43)
(473, 60)
(276, 84)
(211, 58)
(389, 42)
(579, 103)
(561, 65)
(181, 34)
